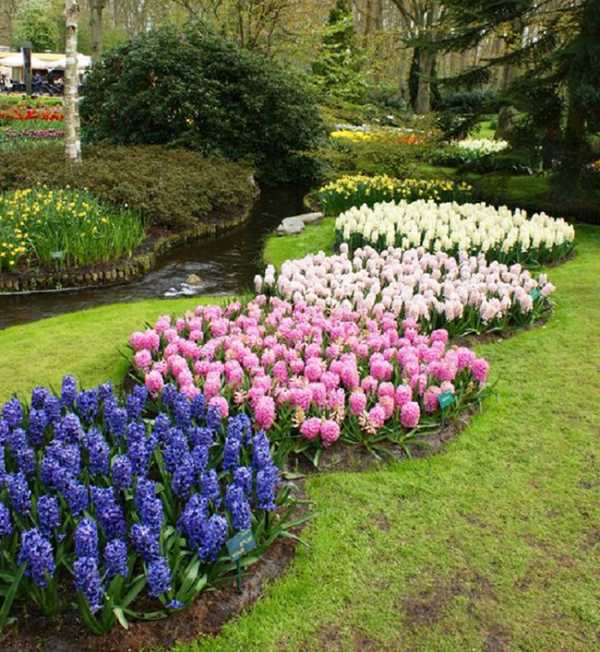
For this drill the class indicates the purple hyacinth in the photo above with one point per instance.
(162, 425)
(105, 391)
(88, 403)
(201, 437)
(36, 551)
(115, 418)
(193, 519)
(4, 431)
(48, 509)
(200, 458)
(26, 460)
(239, 508)
(145, 490)
(183, 413)
(121, 473)
(12, 411)
(145, 541)
(2, 466)
(215, 534)
(231, 451)
(176, 447)
(267, 480)
(213, 418)
(210, 487)
(52, 408)
(19, 493)
(169, 395)
(109, 513)
(242, 477)
(5, 522)
(99, 453)
(198, 407)
(261, 453)
(183, 478)
(159, 577)
(70, 430)
(76, 495)
(134, 408)
(68, 456)
(86, 538)
(115, 558)
(152, 514)
(68, 392)
(88, 581)
(138, 450)
(39, 395)
(38, 421)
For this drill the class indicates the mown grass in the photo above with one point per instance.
(492, 545)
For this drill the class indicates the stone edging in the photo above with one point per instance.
(121, 271)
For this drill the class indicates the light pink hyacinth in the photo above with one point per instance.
(410, 414)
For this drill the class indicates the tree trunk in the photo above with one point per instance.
(96, 9)
(72, 125)
(426, 65)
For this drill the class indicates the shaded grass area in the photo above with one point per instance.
(315, 237)
(492, 545)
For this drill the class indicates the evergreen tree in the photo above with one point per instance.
(337, 69)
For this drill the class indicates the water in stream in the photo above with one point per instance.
(226, 265)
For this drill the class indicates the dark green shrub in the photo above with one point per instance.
(460, 111)
(201, 91)
(170, 188)
(467, 160)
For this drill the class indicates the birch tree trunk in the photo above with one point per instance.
(72, 125)
(96, 10)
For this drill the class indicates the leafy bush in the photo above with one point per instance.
(460, 111)
(105, 499)
(482, 162)
(170, 188)
(346, 192)
(200, 91)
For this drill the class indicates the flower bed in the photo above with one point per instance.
(463, 296)
(498, 233)
(131, 515)
(482, 146)
(311, 377)
(388, 136)
(57, 228)
(21, 113)
(359, 190)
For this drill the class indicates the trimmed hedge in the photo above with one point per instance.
(170, 188)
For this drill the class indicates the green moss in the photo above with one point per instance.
(493, 544)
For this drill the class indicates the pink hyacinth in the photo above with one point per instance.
(410, 414)
(403, 395)
(330, 432)
(430, 399)
(137, 341)
(358, 403)
(480, 369)
(151, 340)
(311, 428)
(264, 412)
(377, 417)
(387, 403)
(154, 382)
(221, 403)
(142, 359)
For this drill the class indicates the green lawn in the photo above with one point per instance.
(492, 545)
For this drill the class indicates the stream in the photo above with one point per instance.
(226, 264)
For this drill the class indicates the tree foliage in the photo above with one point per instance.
(196, 89)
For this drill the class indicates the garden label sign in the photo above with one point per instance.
(242, 543)
(446, 399)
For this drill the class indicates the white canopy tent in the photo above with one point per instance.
(39, 61)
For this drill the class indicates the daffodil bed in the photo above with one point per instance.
(54, 229)
(356, 190)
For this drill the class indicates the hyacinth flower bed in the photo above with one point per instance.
(124, 517)
(359, 190)
(465, 296)
(500, 234)
(311, 377)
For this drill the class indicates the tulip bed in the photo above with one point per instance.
(499, 233)
(101, 504)
(311, 377)
(358, 190)
(465, 295)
